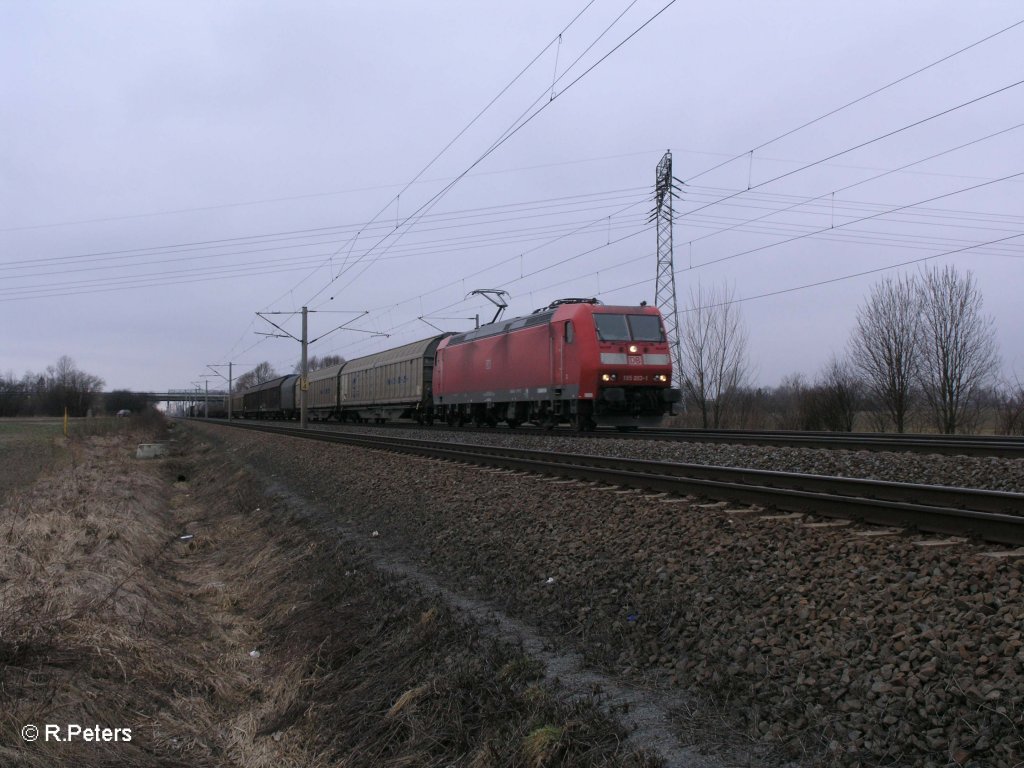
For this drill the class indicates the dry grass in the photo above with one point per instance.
(109, 617)
(28, 447)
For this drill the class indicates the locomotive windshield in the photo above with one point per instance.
(628, 327)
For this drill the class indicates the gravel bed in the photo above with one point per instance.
(997, 474)
(815, 647)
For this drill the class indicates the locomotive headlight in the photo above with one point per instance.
(608, 377)
(633, 349)
(661, 377)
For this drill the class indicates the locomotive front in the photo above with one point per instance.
(575, 361)
(630, 367)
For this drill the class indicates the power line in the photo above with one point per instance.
(487, 233)
(828, 281)
(459, 135)
(495, 172)
(505, 137)
(862, 273)
(861, 145)
(864, 218)
(858, 100)
(905, 128)
(252, 267)
(922, 212)
(336, 229)
(499, 237)
(975, 246)
(876, 177)
(507, 260)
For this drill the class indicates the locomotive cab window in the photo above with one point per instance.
(570, 332)
(628, 327)
(611, 327)
(645, 328)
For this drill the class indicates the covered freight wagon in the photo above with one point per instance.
(322, 393)
(393, 384)
(271, 400)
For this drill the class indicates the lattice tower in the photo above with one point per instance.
(665, 285)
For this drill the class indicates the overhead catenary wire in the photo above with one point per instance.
(859, 220)
(861, 145)
(486, 231)
(517, 127)
(873, 178)
(857, 100)
(313, 195)
(976, 246)
(487, 107)
(468, 213)
(396, 249)
(850, 276)
(503, 261)
(287, 264)
(50, 288)
(470, 124)
(468, 218)
(923, 212)
(893, 209)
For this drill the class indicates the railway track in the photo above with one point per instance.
(947, 445)
(995, 516)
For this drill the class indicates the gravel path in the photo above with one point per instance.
(819, 646)
(996, 474)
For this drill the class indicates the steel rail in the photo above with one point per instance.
(947, 445)
(990, 515)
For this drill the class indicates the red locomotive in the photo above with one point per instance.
(576, 360)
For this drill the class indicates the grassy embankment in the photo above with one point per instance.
(174, 599)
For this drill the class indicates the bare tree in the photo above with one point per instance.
(958, 347)
(71, 388)
(790, 404)
(838, 395)
(884, 347)
(714, 352)
(12, 396)
(1010, 408)
(261, 373)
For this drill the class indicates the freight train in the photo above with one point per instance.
(577, 361)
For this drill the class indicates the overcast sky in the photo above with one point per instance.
(167, 170)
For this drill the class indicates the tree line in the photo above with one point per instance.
(922, 351)
(60, 386)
